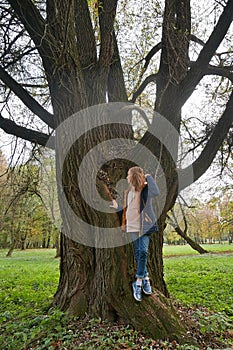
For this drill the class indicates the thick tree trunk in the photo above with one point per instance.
(97, 282)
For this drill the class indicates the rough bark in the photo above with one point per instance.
(98, 283)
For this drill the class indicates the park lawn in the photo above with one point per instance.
(204, 283)
(205, 280)
(175, 250)
(29, 279)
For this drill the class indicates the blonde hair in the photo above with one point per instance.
(137, 178)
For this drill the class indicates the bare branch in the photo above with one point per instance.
(36, 27)
(10, 127)
(13, 41)
(202, 163)
(197, 71)
(151, 78)
(151, 54)
(147, 59)
(202, 43)
(195, 39)
(221, 71)
(18, 57)
(27, 99)
(30, 17)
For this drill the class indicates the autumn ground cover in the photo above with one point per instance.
(201, 287)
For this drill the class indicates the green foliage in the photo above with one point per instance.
(209, 322)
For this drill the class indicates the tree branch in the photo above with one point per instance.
(147, 59)
(107, 13)
(30, 17)
(184, 235)
(195, 39)
(35, 25)
(202, 163)
(151, 53)
(197, 71)
(116, 92)
(221, 71)
(10, 127)
(27, 99)
(11, 44)
(85, 34)
(19, 57)
(151, 78)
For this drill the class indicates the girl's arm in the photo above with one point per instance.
(153, 189)
(119, 209)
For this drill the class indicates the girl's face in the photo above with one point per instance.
(129, 177)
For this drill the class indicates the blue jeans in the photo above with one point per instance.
(141, 246)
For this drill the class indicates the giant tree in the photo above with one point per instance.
(74, 48)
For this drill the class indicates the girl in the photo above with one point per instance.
(138, 218)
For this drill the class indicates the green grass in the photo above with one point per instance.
(204, 283)
(170, 250)
(205, 280)
(28, 281)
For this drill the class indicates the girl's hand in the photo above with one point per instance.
(114, 204)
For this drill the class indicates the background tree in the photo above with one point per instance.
(48, 192)
(173, 219)
(226, 217)
(24, 219)
(206, 221)
(3, 193)
(74, 46)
